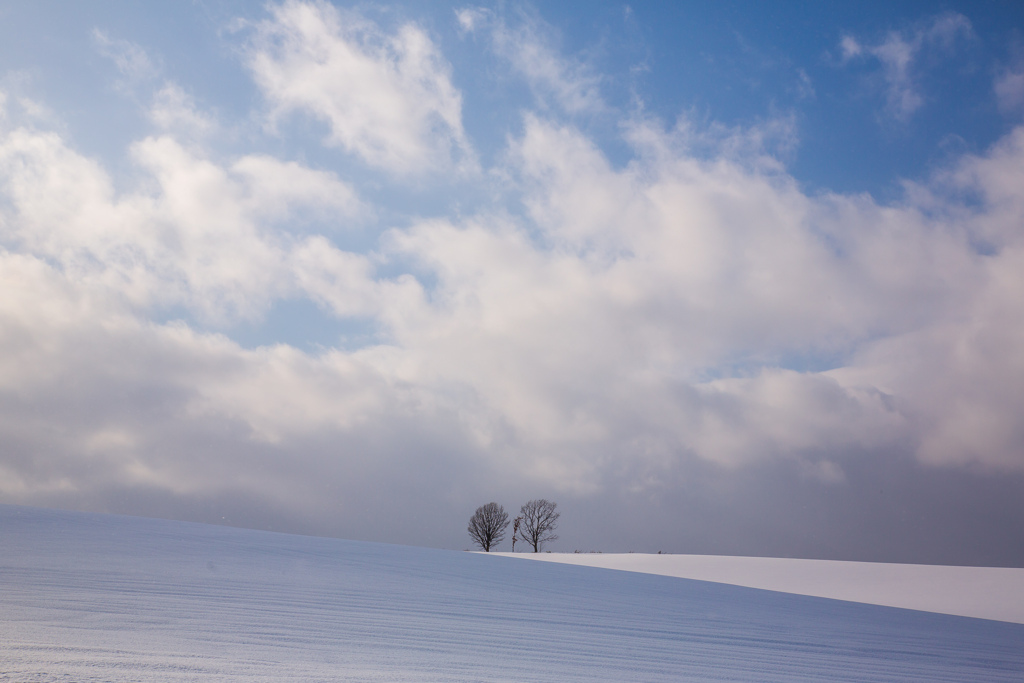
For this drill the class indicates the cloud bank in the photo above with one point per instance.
(617, 330)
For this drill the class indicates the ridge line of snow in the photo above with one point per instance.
(983, 592)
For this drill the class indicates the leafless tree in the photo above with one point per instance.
(487, 525)
(539, 521)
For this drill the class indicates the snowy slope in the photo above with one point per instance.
(983, 592)
(106, 598)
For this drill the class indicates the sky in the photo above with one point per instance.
(732, 279)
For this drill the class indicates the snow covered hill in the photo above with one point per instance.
(983, 592)
(105, 598)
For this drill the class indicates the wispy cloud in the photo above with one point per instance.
(174, 109)
(1009, 90)
(530, 46)
(899, 55)
(131, 60)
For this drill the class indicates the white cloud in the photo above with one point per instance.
(470, 18)
(276, 190)
(804, 86)
(95, 398)
(630, 320)
(899, 54)
(960, 371)
(647, 279)
(387, 98)
(636, 320)
(174, 110)
(196, 234)
(649, 282)
(782, 413)
(850, 48)
(130, 59)
(530, 47)
(18, 108)
(761, 145)
(1009, 89)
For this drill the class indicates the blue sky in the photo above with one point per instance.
(737, 279)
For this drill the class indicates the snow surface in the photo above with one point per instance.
(983, 592)
(104, 598)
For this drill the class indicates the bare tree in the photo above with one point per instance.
(539, 521)
(487, 525)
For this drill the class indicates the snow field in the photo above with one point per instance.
(982, 592)
(104, 598)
